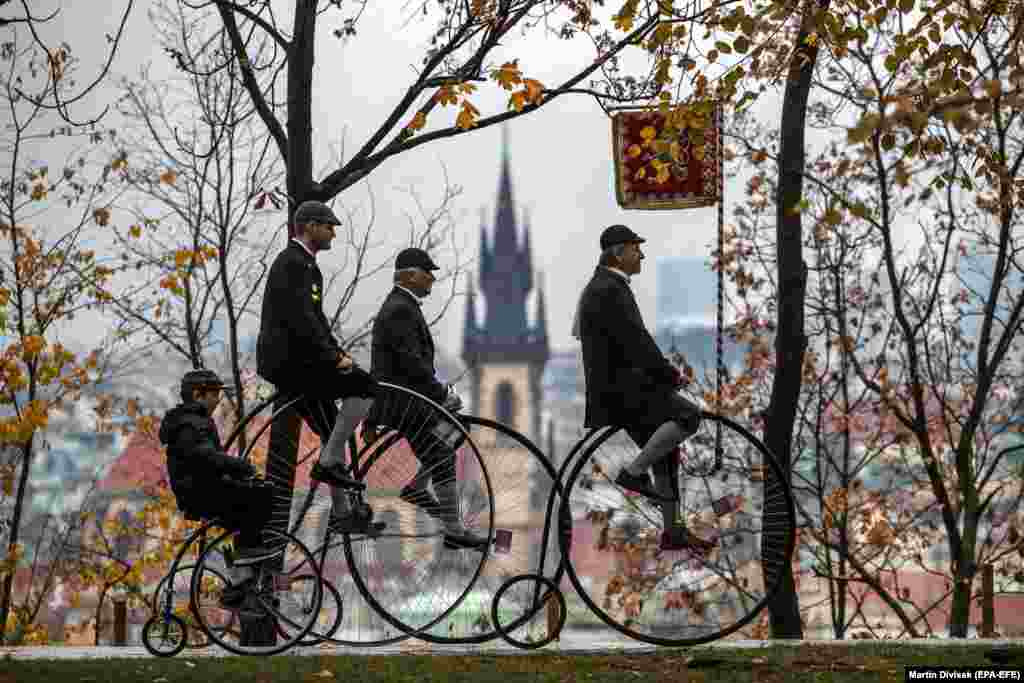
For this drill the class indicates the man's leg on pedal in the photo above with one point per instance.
(356, 388)
(437, 462)
(679, 420)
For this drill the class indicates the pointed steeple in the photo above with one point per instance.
(506, 242)
(469, 326)
(526, 254)
(540, 323)
(485, 253)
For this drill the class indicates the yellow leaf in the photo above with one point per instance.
(634, 151)
(640, 174)
(508, 74)
(135, 231)
(466, 88)
(648, 133)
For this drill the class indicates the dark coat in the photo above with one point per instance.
(402, 350)
(195, 459)
(295, 344)
(628, 380)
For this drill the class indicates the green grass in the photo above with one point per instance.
(850, 662)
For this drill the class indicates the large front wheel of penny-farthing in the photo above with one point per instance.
(612, 538)
(422, 566)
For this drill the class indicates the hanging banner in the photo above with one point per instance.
(667, 160)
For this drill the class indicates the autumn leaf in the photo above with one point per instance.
(101, 216)
(634, 151)
(418, 121)
(445, 95)
(135, 231)
(534, 90)
(518, 100)
(168, 177)
(508, 75)
(467, 117)
(467, 88)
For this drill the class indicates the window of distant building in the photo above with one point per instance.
(505, 404)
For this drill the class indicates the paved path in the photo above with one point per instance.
(571, 645)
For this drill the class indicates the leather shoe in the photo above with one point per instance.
(681, 538)
(358, 521)
(335, 475)
(641, 484)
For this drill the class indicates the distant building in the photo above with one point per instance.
(685, 303)
(505, 353)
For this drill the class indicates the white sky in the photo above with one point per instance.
(561, 155)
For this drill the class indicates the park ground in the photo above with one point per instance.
(818, 662)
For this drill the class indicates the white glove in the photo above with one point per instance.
(452, 402)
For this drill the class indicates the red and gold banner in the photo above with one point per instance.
(667, 160)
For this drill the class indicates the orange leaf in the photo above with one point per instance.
(418, 121)
(508, 74)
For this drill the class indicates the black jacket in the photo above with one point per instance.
(195, 459)
(295, 340)
(402, 350)
(623, 367)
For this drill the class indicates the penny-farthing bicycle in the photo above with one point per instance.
(408, 577)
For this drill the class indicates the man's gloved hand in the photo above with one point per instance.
(452, 402)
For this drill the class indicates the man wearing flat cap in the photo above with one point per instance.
(297, 352)
(630, 384)
(403, 354)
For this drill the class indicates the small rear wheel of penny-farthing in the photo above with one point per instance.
(712, 569)
(164, 635)
(528, 611)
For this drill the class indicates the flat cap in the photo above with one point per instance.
(312, 211)
(415, 258)
(618, 234)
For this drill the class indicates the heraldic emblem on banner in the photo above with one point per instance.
(657, 164)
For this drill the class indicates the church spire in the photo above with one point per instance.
(506, 242)
(541, 321)
(469, 326)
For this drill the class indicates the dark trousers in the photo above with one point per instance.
(317, 408)
(240, 507)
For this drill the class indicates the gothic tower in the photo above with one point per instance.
(506, 354)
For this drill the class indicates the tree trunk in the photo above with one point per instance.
(790, 341)
(300, 108)
(19, 503)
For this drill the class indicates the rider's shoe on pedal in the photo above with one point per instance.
(355, 521)
(458, 537)
(335, 475)
(680, 538)
(640, 483)
(233, 595)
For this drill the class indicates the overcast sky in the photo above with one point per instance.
(561, 155)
